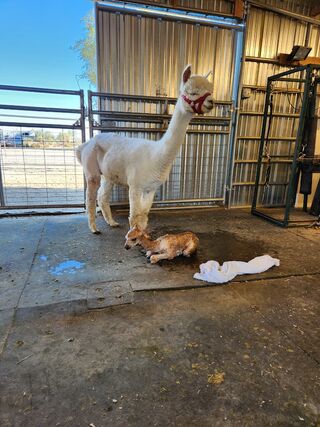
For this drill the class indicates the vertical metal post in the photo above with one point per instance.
(90, 118)
(261, 147)
(239, 55)
(302, 119)
(83, 133)
(2, 200)
(83, 117)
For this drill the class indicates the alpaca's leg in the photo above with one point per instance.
(136, 215)
(93, 183)
(190, 249)
(146, 203)
(104, 194)
(157, 257)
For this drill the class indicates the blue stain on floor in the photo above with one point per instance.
(67, 267)
(43, 258)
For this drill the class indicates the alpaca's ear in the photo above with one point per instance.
(208, 74)
(186, 74)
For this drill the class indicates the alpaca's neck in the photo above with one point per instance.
(175, 134)
(147, 243)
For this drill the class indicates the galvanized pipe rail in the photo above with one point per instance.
(172, 14)
(145, 98)
(78, 124)
(155, 130)
(107, 116)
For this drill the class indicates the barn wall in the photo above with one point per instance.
(268, 34)
(145, 56)
(217, 6)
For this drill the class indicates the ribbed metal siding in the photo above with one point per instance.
(144, 56)
(218, 6)
(268, 34)
(297, 6)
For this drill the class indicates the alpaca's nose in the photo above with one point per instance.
(209, 104)
(126, 246)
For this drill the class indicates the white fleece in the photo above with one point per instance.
(213, 272)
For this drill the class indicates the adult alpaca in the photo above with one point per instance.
(141, 164)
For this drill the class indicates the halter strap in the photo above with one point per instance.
(197, 103)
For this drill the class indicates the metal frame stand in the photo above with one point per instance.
(291, 190)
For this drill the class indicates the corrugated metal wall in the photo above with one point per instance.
(217, 6)
(298, 6)
(144, 56)
(268, 34)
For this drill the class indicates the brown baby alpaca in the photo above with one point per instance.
(168, 246)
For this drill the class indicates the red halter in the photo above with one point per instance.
(197, 103)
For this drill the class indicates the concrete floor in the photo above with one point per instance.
(91, 334)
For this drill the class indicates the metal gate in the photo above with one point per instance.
(141, 52)
(197, 176)
(38, 168)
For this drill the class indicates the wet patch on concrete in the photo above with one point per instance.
(220, 246)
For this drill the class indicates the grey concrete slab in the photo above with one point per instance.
(19, 238)
(11, 286)
(243, 353)
(51, 293)
(307, 233)
(292, 305)
(6, 318)
(69, 259)
(109, 294)
(198, 357)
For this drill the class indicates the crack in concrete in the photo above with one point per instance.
(12, 323)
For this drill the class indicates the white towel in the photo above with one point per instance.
(213, 272)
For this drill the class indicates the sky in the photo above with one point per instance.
(35, 47)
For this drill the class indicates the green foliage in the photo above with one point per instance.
(86, 49)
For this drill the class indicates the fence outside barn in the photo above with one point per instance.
(38, 166)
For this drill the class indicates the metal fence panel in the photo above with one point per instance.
(198, 172)
(38, 167)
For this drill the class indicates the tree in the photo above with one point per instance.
(86, 48)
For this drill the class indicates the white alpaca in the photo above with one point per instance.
(141, 164)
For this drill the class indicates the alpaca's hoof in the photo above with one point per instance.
(94, 230)
(114, 224)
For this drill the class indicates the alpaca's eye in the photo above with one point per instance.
(193, 94)
(133, 240)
